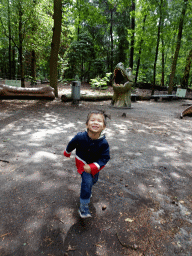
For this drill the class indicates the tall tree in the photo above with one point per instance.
(140, 49)
(55, 44)
(132, 34)
(122, 43)
(8, 35)
(21, 38)
(9, 28)
(184, 83)
(163, 62)
(157, 46)
(33, 53)
(111, 36)
(112, 9)
(178, 45)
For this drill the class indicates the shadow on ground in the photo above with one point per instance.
(141, 204)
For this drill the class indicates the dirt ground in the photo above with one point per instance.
(141, 204)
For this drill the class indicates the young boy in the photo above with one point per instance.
(92, 154)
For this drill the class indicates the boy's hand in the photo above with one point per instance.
(87, 168)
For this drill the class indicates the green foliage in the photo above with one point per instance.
(85, 48)
(36, 31)
(31, 79)
(80, 56)
(62, 65)
(100, 83)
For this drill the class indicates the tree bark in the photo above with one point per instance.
(9, 27)
(133, 35)
(13, 67)
(184, 83)
(157, 48)
(111, 35)
(163, 63)
(33, 66)
(21, 48)
(55, 44)
(79, 18)
(178, 45)
(140, 48)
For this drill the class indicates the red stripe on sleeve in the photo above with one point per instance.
(66, 154)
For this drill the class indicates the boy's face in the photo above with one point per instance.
(96, 123)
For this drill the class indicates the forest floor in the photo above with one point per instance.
(87, 90)
(142, 203)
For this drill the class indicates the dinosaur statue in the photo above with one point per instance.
(122, 83)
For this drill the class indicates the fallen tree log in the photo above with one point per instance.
(68, 98)
(134, 97)
(11, 92)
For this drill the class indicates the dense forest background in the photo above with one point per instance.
(152, 37)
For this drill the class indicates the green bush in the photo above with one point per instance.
(100, 83)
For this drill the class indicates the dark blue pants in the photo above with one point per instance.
(86, 186)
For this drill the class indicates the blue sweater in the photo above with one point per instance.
(88, 151)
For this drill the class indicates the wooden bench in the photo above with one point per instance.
(163, 96)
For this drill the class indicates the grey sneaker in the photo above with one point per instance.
(84, 215)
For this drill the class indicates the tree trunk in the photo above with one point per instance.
(9, 28)
(157, 48)
(13, 67)
(108, 60)
(21, 48)
(82, 73)
(4, 67)
(178, 45)
(79, 18)
(55, 44)
(111, 35)
(33, 67)
(33, 53)
(184, 83)
(133, 35)
(140, 48)
(138, 64)
(163, 64)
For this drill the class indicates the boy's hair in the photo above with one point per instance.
(101, 112)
